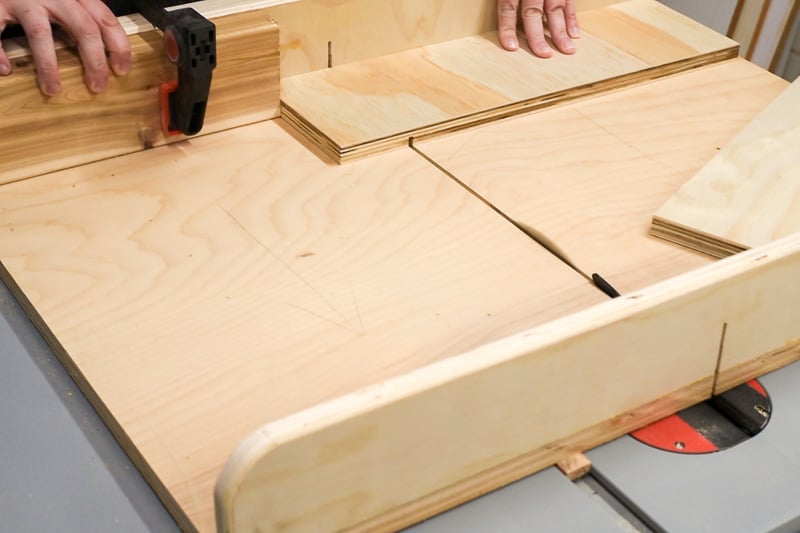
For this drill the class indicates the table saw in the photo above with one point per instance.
(392, 338)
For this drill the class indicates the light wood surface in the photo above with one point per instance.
(364, 29)
(590, 175)
(382, 102)
(201, 290)
(749, 193)
(575, 466)
(40, 134)
(462, 427)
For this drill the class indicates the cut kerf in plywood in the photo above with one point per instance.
(380, 103)
(748, 194)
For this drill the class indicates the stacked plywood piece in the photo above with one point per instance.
(748, 194)
(284, 343)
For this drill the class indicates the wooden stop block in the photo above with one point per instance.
(575, 466)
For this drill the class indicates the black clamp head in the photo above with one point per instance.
(190, 43)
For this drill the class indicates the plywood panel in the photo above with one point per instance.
(589, 176)
(380, 103)
(200, 290)
(40, 134)
(749, 193)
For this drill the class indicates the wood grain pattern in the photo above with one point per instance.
(382, 102)
(365, 29)
(749, 193)
(603, 166)
(200, 290)
(40, 134)
(477, 421)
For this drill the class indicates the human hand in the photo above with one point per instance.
(559, 16)
(91, 24)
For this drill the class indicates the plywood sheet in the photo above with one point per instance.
(198, 291)
(749, 193)
(360, 108)
(589, 176)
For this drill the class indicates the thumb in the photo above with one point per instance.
(5, 63)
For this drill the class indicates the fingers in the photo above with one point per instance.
(91, 24)
(557, 24)
(533, 22)
(114, 37)
(559, 16)
(36, 23)
(571, 15)
(5, 63)
(79, 23)
(507, 23)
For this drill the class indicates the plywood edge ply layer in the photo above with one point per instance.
(749, 193)
(478, 421)
(40, 134)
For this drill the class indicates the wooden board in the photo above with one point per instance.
(748, 22)
(749, 193)
(316, 34)
(590, 175)
(198, 291)
(462, 427)
(380, 103)
(40, 134)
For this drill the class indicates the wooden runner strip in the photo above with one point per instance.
(748, 194)
(361, 108)
(198, 291)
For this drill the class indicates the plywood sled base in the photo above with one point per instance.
(97, 403)
(469, 422)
